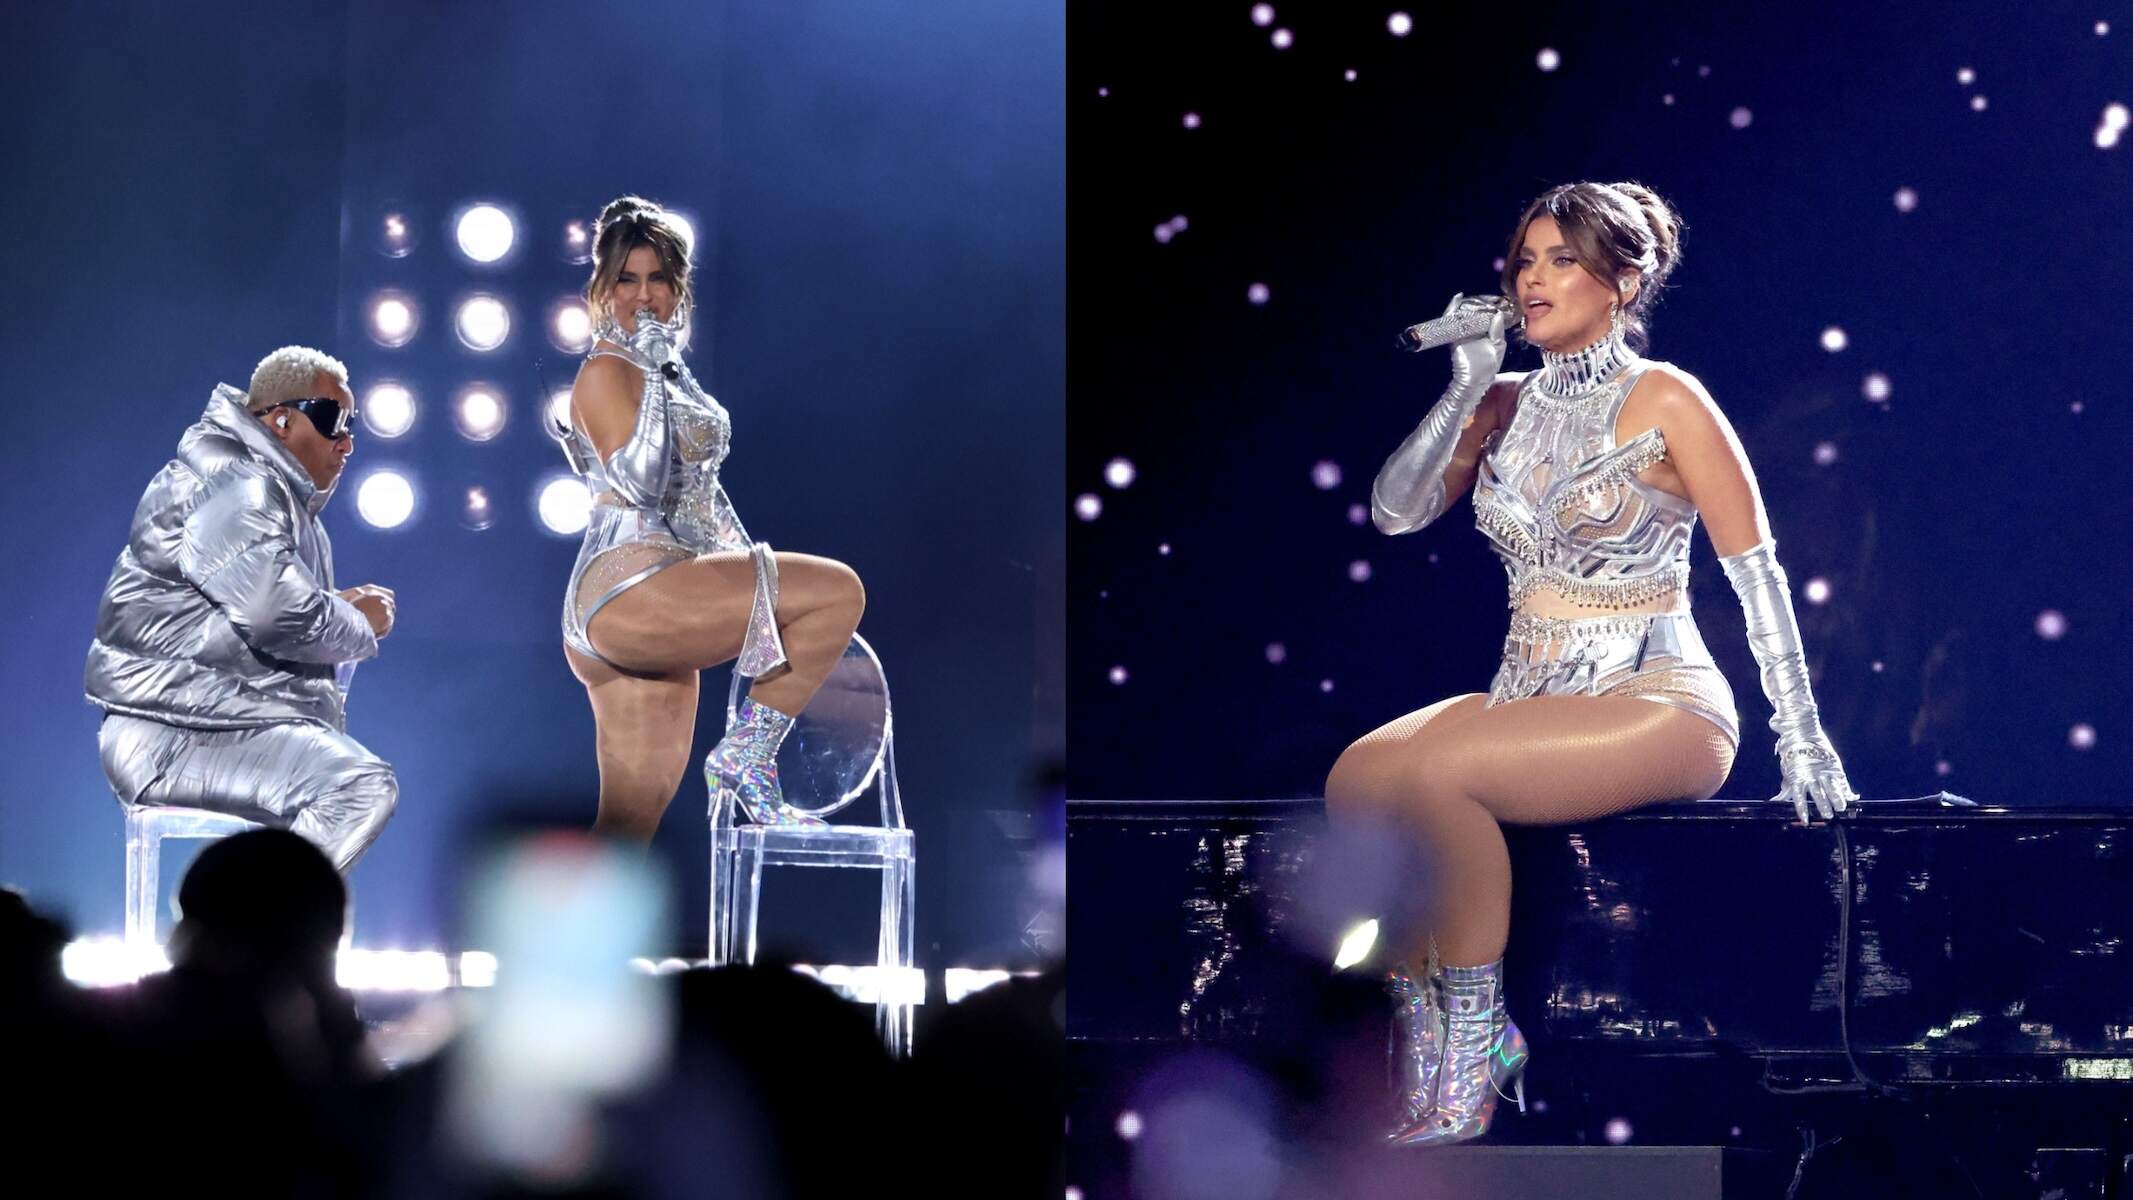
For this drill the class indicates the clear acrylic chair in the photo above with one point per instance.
(841, 744)
(146, 830)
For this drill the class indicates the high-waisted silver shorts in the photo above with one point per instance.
(1656, 656)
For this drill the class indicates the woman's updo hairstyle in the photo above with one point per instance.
(625, 224)
(1611, 228)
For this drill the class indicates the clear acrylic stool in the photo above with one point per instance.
(146, 830)
(841, 744)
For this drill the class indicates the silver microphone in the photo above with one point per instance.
(1469, 321)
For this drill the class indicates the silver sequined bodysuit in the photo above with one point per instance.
(627, 544)
(1563, 507)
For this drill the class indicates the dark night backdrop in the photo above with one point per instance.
(1981, 493)
(877, 192)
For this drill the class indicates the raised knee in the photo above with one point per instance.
(1347, 789)
(852, 591)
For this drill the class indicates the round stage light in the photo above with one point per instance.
(1119, 472)
(477, 513)
(396, 235)
(485, 233)
(389, 410)
(479, 413)
(385, 499)
(483, 322)
(570, 326)
(393, 319)
(564, 505)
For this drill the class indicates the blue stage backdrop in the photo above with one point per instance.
(876, 191)
(1905, 231)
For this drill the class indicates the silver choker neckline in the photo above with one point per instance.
(1569, 376)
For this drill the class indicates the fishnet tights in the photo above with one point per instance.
(1453, 773)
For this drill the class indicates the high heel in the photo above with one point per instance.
(743, 768)
(1484, 1054)
(1416, 1043)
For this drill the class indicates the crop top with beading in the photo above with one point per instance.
(1561, 503)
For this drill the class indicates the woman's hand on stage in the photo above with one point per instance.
(1812, 772)
(376, 604)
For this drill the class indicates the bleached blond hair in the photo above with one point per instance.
(287, 373)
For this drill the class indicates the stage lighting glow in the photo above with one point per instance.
(564, 506)
(477, 513)
(1965, 76)
(1262, 14)
(1877, 666)
(2107, 136)
(1163, 549)
(1257, 293)
(1088, 506)
(1192, 120)
(1943, 767)
(1816, 590)
(2051, 624)
(870, 984)
(483, 322)
(1325, 475)
(577, 242)
(389, 410)
(479, 412)
(570, 327)
(1825, 453)
(1875, 387)
(485, 233)
(1163, 233)
(385, 499)
(1358, 514)
(1355, 945)
(2082, 737)
(1118, 675)
(1129, 1125)
(1834, 339)
(1325, 685)
(392, 970)
(1977, 103)
(1667, 99)
(1400, 24)
(1359, 571)
(1741, 118)
(959, 982)
(1619, 1131)
(1277, 653)
(477, 968)
(1119, 472)
(559, 408)
(1906, 199)
(687, 227)
(1349, 75)
(396, 238)
(1283, 39)
(2102, 28)
(1548, 59)
(393, 319)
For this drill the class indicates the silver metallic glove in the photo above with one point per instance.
(1409, 491)
(638, 468)
(1807, 762)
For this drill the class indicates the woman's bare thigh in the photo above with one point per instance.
(694, 615)
(1554, 759)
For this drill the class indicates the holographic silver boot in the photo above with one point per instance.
(743, 767)
(1484, 1053)
(1416, 1046)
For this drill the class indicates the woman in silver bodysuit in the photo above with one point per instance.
(668, 582)
(1589, 476)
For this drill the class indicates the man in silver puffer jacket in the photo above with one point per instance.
(220, 642)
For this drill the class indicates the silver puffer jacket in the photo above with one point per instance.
(221, 612)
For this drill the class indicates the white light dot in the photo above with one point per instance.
(1257, 293)
(570, 327)
(1703, 72)
(1877, 666)
(1163, 549)
(1943, 768)
(385, 499)
(483, 322)
(1977, 103)
(1875, 387)
(1179, 223)
(2102, 28)
(392, 319)
(2115, 115)
(1400, 24)
(1129, 1124)
(564, 505)
(1548, 59)
(1118, 675)
(1163, 233)
(2082, 736)
(1496, 264)
(1192, 120)
(1359, 570)
(389, 410)
(479, 413)
(1325, 685)
(2075, 407)
(2107, 136)
(478, 513)
(1325, 475)
(1618, 1131)
(1262, 14)
(1741, 118)
(1073, 1193)
(1283, 39)
(1088, 506)
(1119, 473)
(1349, 74)
(1825, 453)
(1736, 1131)
(1357, 514)
(1667, 99)
(485, 233)
(1816, 590)
(1277, 653)
(1834, 339)
(1965, 76)
(1906, 199)
(1103, 91)
(2051, 624)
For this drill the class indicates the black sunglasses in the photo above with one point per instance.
(324, 412)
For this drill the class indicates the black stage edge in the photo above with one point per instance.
(1927, 998)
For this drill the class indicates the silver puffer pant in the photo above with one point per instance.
(298, 776)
